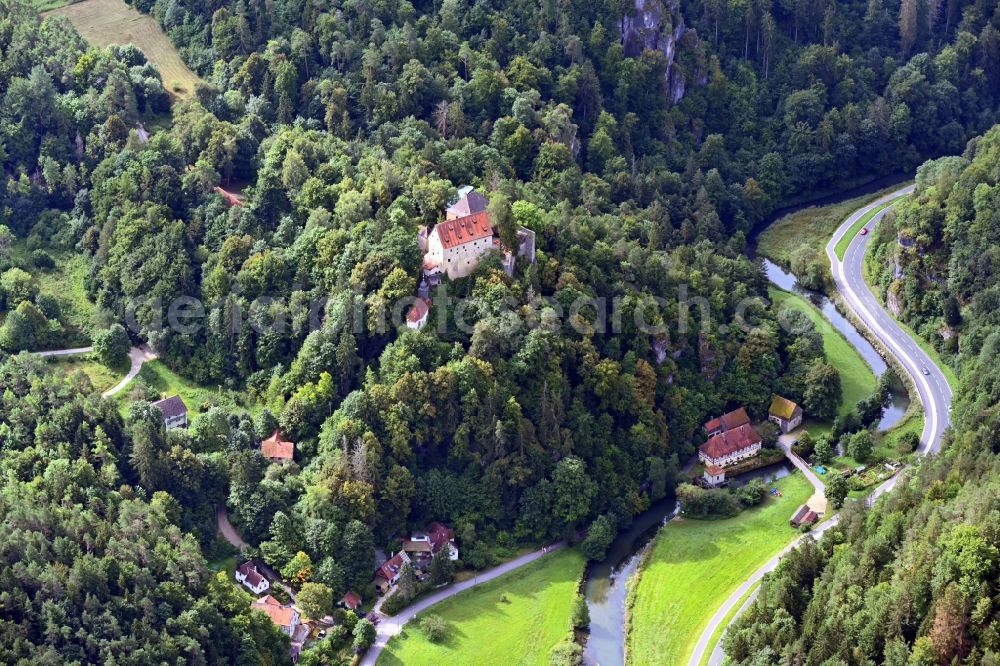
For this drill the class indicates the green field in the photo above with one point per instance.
(841, 247)
(166, 382)
(514, 619)
(101, 377)
(856, 375)
(695, 565)
(810, 227)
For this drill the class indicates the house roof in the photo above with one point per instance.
(464, 229)
(729, 420)
(714, 470)
(391, 567)
(412, 546)
(280, 615)
(800, 514)
(782, 407)
(171, 407)
(469, 202)
(418, 311)
(730, 441)
(352, 600)
(277, 446)
(439, 534)
(250, 573)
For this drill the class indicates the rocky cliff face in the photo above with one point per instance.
(659, 25)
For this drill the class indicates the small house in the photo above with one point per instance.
(351, 601)
(174, 411)
(803, 516)
(387, 574)
(730, 447)
(714, 476)
(416, 318)
(276, 448)
(429, 542)
(248, 574)
(286, 617)
(785, 413)
(728, 421)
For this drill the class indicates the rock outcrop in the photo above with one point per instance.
(659, 25)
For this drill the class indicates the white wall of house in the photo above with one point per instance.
(179, 421)
(731, 458)
(261, 587)
(460, 260)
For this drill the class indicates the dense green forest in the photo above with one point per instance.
(913, 580)
(642, 148)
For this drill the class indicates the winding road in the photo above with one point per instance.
(136, 356)
(930, 381)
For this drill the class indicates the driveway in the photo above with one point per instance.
(137, 356)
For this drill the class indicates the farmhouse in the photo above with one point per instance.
(387, 574)
(174, 411)
(730, 446)
(276, 448)
(286, 617)
(728, 421)
(248, 575)
(803, 516)
(785, 413)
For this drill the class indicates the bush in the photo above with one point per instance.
(907, 443)
(752, 494)
(42, 260)
(702, 503)
(599, 536)
(581, 614)
(566, 653)
(434, 627)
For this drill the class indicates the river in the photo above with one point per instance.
(898, 400)
(606, 586)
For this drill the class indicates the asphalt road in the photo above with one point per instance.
(932, 388)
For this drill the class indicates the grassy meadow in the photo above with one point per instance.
(103, 22)
(515, 619)
(695, 564)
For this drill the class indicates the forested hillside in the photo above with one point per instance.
(913, 580)
(640, 146)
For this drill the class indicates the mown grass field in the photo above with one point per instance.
(101, 377)
(694, 565)
(856, 376)
(811, 227)
(103, 22)
(166, 382)
(515, 619)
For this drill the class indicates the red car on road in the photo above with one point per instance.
(864, 231)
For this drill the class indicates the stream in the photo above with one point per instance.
(899, 402)
(605, 588)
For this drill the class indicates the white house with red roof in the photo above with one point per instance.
(253, 580)
(730, 446)
(286, 617)
(432, 540)
(455, 246)
(387, 574)
(416, 318)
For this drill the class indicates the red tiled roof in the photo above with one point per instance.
(729, 420)
(277, 446)
(391, 567)
(714, 470)
(464, 229)
(418, 311)
(280, 615)
(730, 441)
(439, 535)
(352, 600)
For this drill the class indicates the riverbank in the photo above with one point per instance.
(694, 565)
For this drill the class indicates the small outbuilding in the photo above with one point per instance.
(276, 448)
(785, 413)
(714, 475)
